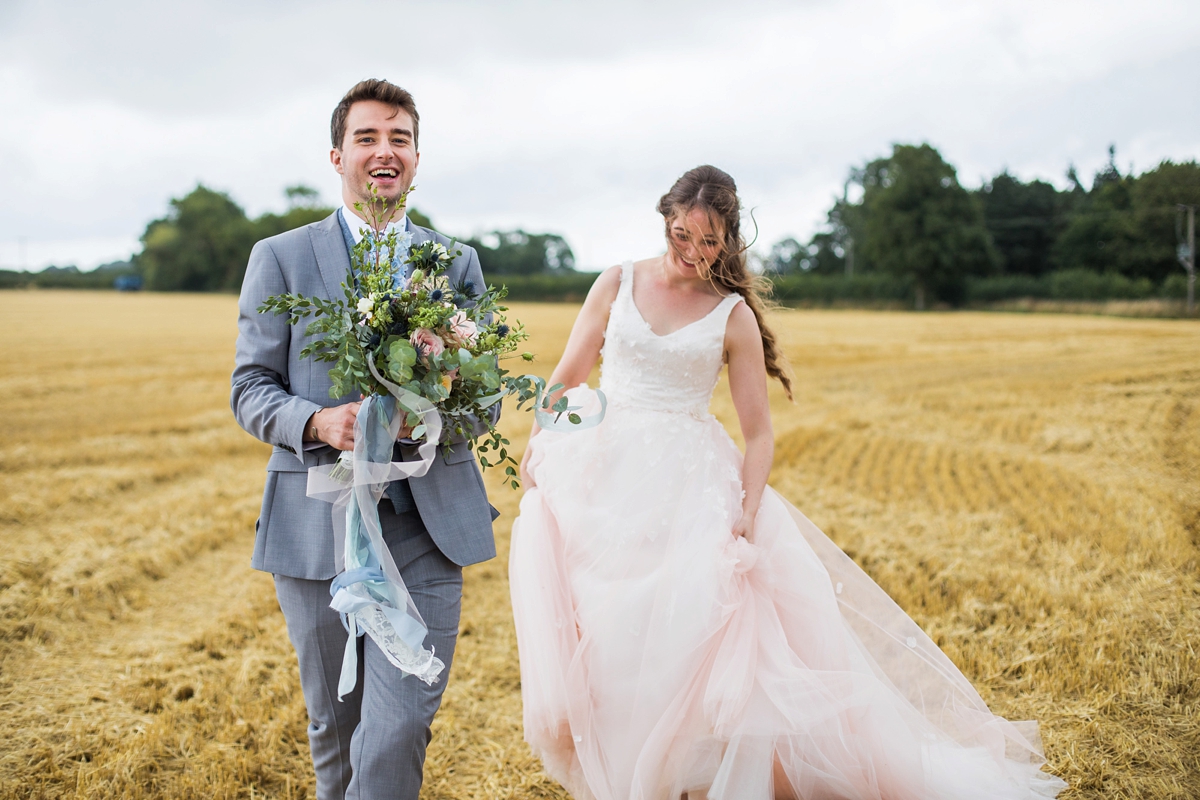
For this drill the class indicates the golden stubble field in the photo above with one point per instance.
(1026, 486)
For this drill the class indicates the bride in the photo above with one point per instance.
(683, 630)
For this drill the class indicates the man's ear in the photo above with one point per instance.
(335, 158)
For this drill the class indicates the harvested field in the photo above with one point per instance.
(1026, 486)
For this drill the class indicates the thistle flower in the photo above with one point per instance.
(502, 330)
(435, 295)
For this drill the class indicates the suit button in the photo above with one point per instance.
(285, 447)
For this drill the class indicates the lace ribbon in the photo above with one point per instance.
(368, 591)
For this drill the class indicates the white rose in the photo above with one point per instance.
(366, 305)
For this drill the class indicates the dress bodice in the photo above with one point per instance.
(676, 372)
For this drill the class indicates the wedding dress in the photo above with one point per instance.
(661, 656)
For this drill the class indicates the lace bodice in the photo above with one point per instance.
(675, 372)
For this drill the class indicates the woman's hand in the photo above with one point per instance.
(583, 347)
(744, 527)
(526, 477)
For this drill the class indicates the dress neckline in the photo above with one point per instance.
(638, 311)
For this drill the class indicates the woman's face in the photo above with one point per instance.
(694, 243)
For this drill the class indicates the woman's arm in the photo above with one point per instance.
(583, 346)
(748, 385)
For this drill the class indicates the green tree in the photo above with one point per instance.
(521, 253)
(302, 196)
(1156, 196)
(920, 224)
(1128, 224)
(1100, 234)
(419, 219)
(1024, 220)
(201, 244)
(304, 207)
(786, 257)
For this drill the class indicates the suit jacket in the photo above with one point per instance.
(274, 393)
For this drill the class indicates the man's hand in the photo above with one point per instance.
(333, 426)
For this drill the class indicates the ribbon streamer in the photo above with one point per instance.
(368, 591)
(555, 421)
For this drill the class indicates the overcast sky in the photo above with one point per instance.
(566, 117)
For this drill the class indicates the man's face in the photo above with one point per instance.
(378, 148)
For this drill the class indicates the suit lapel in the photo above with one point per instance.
(329, 246)
(419, 234)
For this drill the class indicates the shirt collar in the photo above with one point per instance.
(356, 224)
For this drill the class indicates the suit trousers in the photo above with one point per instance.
(371, 745)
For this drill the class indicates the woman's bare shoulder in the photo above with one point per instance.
(608, 281)
(742, 327)
(604, 288)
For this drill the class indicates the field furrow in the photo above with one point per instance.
(1024, 486)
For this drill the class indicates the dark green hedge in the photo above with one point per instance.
(568, 287)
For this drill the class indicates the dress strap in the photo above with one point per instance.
(626, 274)
(725, 307)
(625, 288)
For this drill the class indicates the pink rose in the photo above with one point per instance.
(461, 328)
(427, 343)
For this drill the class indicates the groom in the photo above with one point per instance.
(371, 744)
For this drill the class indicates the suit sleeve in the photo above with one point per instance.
(261, 398)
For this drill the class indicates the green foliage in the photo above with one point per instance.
(1024, 220)
(520, 253)
(1157, 219)
(1071, 284)
(273, 224)
(204, 241)
(69, 277)
(419, 219)
(823, 289)
(825, 254)
(400, 317)
(920, 224)
(1115, 240)
(553, 287)
(201, 245)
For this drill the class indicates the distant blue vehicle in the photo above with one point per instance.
(128, 283)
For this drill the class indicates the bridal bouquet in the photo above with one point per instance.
(401, 323)
(424, 355)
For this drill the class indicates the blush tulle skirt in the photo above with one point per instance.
(662, 657)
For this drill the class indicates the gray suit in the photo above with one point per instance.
(372, 745)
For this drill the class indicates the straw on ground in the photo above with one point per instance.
(1025, 486)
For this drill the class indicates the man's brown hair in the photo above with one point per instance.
(372, 89)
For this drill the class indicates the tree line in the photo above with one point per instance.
(912, 229)
(904, 230)
(203, 242)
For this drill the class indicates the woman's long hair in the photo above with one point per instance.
(714, 192)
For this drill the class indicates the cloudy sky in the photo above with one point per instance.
(563, 116)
